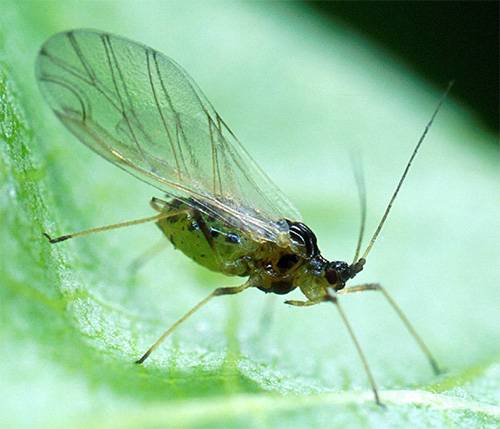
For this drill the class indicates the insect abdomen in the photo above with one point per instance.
(208, 243)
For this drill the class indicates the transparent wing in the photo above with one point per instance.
(141, 111)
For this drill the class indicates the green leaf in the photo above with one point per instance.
(74, 316)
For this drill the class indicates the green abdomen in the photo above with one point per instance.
(209, 242)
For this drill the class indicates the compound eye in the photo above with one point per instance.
(331, 276)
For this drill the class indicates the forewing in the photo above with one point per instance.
(140, 110)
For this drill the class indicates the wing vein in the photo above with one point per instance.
(171, 105)
(61, 82)
(141, 111)
(67, 68)
(162, 117)
(108, 48)
(81, 57)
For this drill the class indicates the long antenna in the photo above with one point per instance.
(357, 168)
(394, 195)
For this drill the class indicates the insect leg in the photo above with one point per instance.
(198, 217)
(139, 261)
(333, 298)
(298, 303)
(217, 292)
(404, 319)
(154, 218)
(161, 205)
(266, 316)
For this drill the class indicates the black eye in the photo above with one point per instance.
(287, 261)
(331, 276)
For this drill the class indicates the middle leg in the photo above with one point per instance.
(217, 292)
(331, 297)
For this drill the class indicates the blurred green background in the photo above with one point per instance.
(300, 93)
(437, 40)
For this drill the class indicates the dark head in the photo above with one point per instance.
(337, 273)
(317, 274)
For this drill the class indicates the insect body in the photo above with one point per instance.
(271, 267)
(141, 111)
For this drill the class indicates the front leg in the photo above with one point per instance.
(332, 297)
(402, 316)
(301, 303)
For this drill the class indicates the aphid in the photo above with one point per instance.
(140, 110)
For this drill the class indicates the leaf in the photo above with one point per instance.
(73, 317)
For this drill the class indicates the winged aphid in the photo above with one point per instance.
(141, 111)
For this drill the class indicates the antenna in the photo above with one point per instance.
(405, 172)
(357, 168)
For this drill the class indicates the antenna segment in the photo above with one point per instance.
(407, 168)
